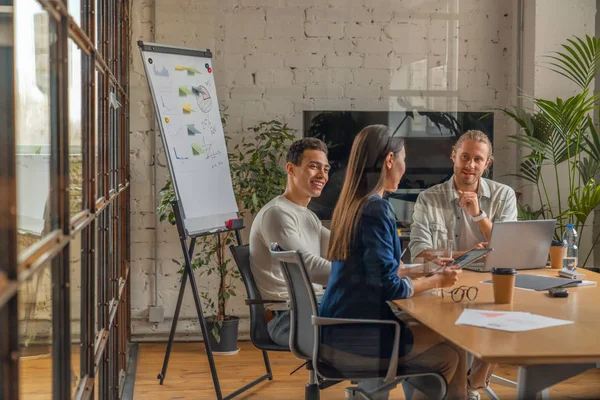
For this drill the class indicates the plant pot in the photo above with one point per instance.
(227, 343)
(35, 351)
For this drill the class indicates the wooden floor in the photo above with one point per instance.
(35, 375)
(188, 376)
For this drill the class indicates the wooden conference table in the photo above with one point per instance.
(545, 356)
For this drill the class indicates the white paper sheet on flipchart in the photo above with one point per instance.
(510, 321)
(203, 183)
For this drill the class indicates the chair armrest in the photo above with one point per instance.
(249, 302)
(393, 366)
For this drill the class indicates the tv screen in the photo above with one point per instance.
(429, 140)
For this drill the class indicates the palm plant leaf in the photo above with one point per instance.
(588, 169)
(579, 62)
(526, 213)
(531, 168)
(584, 200)
(592, 147)
(567, 116)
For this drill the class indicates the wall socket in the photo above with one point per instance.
(157, 314)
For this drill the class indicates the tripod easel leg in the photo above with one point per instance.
(205, 333)
(163, 372)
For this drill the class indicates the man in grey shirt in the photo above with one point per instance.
(287, 221)
(463, 210)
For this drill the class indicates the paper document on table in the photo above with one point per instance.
(582, 283)
(509, 321)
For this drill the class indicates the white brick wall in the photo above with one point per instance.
(277, 58)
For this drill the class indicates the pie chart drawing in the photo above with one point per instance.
(203, 98)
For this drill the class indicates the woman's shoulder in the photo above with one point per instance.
(378, 208)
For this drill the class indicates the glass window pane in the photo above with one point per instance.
(35, 336)
(98, 16)
(113, 144)
(32, 57)
(97, 258)
(96, 128)
(100, 136)
(76, 298)
(75, 10)
(75, 128)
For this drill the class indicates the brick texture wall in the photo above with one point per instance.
(277, 58)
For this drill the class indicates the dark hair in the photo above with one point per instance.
(299, 146)
(364, 178)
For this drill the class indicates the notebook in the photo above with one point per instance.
(537, 282)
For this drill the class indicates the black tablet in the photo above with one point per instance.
(466, 259)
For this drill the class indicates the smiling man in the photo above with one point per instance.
(287, 221)
(463, 209)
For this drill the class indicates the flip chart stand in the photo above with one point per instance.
(188, 273)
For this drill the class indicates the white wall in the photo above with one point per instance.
(276, 58)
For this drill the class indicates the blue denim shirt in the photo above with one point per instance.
(360, 286)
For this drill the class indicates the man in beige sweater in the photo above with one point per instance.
(286, 220)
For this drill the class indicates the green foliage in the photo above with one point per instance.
(257, 177)
(164, 208)
(256, 164)
(561, 131)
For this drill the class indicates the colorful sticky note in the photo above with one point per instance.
(196, 149)
(184, 91)
(187, 108)
(192, 70)
(192, 130)
(179, 68)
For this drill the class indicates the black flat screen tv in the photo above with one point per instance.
(429, 140)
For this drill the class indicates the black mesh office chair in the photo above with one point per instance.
(258, 326)
(333, 365)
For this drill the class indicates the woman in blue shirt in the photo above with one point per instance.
(365, 251)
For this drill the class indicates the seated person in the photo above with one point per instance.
(463, 210)
(366, 251)
(287, 221)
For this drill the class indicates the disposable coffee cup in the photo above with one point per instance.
(503, 280)
(556, 254)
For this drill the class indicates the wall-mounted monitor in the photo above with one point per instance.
(429, 140)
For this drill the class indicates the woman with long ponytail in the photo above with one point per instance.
(365, 251)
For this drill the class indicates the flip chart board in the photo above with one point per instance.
(183, 91)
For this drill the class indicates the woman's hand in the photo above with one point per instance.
(445, 278)
(448, 276)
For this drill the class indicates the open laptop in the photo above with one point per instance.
(518, 245)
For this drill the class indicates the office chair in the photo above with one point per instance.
(330, 366)
(258, 326)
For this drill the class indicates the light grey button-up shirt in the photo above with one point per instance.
(437, 213)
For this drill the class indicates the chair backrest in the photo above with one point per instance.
(303, 303)
(258, 326)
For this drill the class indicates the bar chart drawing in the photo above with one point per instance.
(191, 128)
(163, 72)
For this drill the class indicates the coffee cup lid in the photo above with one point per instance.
(557, 243)
(504, 271)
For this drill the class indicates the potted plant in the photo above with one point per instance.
(257, 177)
(561, 131)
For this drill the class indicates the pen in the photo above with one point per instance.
(403, 251)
